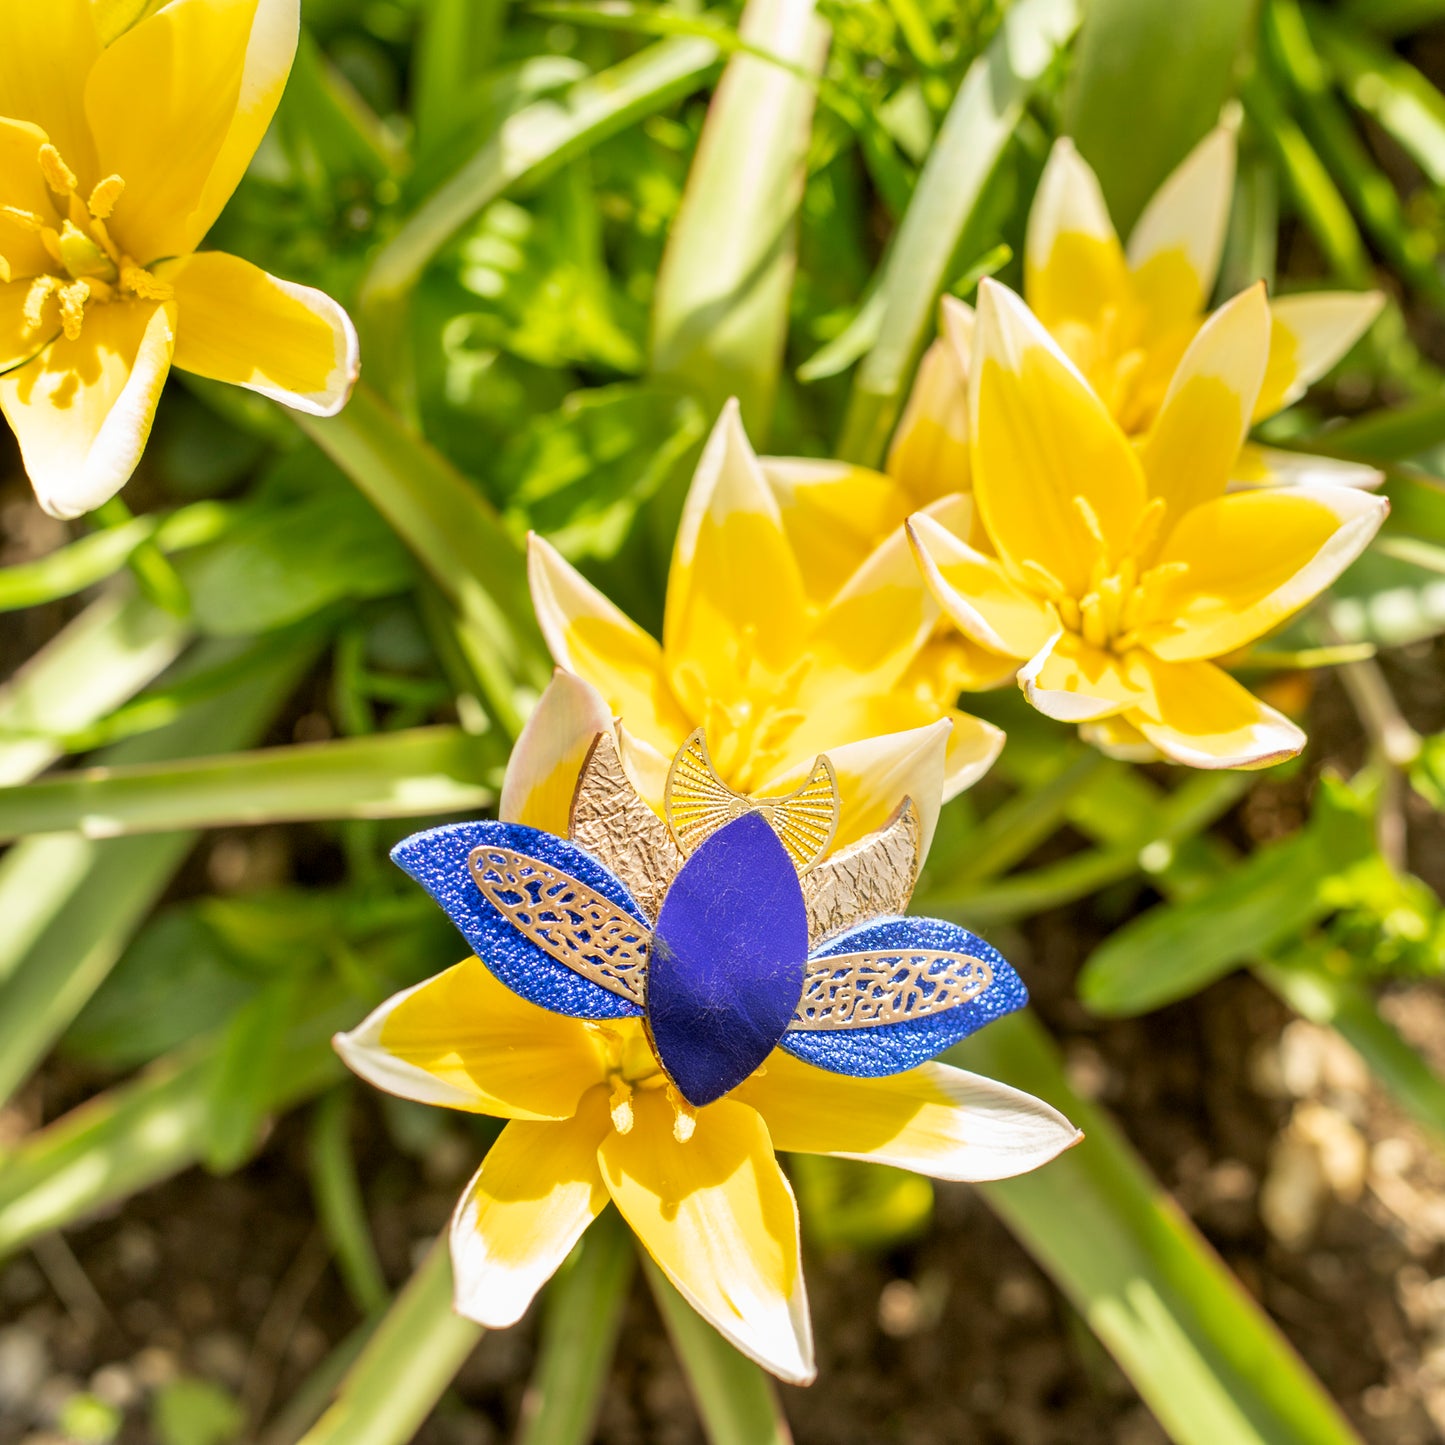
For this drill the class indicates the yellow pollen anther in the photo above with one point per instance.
(72, 308)
(684, 1116)
(42, 288)
(1147, 532)
(104, 196)
(621, 1106)
(139, 282)
(58, 176)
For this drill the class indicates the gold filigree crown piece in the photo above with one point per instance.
(697, 803)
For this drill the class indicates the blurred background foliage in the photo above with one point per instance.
(293, 643)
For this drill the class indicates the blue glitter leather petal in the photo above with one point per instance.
(728, 957)
(870, 1053)
(437, 859)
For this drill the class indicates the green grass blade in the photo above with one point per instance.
(389, 775)
(978, 125)
(1203, 1355)
(72, 903)
(1371, 192)
(1148, 82)
(736, 1401)
(339, 1202)
(1309, 183)
(458, 538)
(405, 1366)
(113, 649)
(584, 1306)
(720, 312)
(1389, 89)
(144, 1131)
(530, 143)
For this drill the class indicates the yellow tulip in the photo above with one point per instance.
(1115, 572)
(783, 640)
(114, 162)
(1126, 315)
(591, 1119)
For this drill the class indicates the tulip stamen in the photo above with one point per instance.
(684, 1116)
(58, 176)
(42, 288)
(620, 1105)
(104, 196)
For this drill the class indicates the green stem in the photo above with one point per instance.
(982, 118)
(736, 1401)
(340, 1205)
(584, 1306)
(458, 537)
(406, 1365)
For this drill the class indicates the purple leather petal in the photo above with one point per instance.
(728, 956)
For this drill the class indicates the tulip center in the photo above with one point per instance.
(630, 1066)
(1112, 356)
(1124, 594)
(87, 268)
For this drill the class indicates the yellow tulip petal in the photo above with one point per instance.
(537, 1191)
(178, 106)
(881, 618)
(736, 610)
(1117, 737)
(1175, 246)
(1269, 467)
(878, 769)
(978, 595)
(718, 1216)
(645, 766)
(542, 771)
(1057, 482)
(1192, 450)
(592, 637)
(929, 455)
(1200, 716)
(465, 1041)
(834, 514)
(953, 663)
(19, 340)
(238, 324)
(1074, 267)
(1310, 334)
(1243, 563)
(82, 410)
(49, 48)
(22, 186)
(1073, 682)
(935, 1119)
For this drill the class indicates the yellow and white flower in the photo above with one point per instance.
(114, 162)
(1116, 572)
(591, 1118)
(1126, 315)
(785, 636)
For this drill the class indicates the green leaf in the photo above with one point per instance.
(243, 1075)
(978, 126)
(720, 312)
(288, 562)
(1148, 82)
(188, 1411)
(111, 651)
(405, 1366)
(457, 537)
(340, 1204)
(847, 1204)
(584, 1306)
(580, 474)
(1175, 949)
(72, 903)
(530, 144)
(458, 43)
(1202, 1353)
(391, 775)
(736, 1401)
